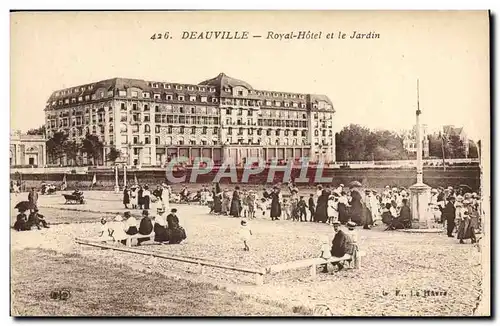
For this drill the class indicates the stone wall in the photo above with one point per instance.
(373, 178)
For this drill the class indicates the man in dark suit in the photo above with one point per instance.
(449, 215)
(312, 207)
(341, 244)
(145, 227)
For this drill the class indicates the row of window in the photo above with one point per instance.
(253, 103)
(171, 109)
(181, 87)
(267, 93)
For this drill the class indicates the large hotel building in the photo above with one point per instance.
(221, 118)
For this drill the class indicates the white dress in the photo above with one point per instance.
(166, 199)
(245, 234)
(118, 231)
(332, 209)
(134, 197)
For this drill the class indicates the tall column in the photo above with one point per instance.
(124, 176)
(420, 192)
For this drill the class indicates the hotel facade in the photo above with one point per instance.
(222, 118)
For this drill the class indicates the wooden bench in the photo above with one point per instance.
(150, 236)
(313, 263)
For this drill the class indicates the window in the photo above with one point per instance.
(268, 103)
(147, 140)
(193, 130)
(169, 97)
(157, 108)
(181, 109)
(155, 85)
(212, 90)
(240, 93)
(167, 86)
(135, 128)
(191, 88)
(146, 118)
(147, 129)
(157, 140)
(316, 133)
(178, 87)
(135, 141)
(203, 99)
(146, 108)
(145, 95)
(157, 96)
(122, 93)
(287, 105)
(181, 97)
(157, 129)
(66, 101)
(193, 110)
(228, 111)
(268, 132)
(181, 129)
(134, 106)
(133, 93)
(214, 100)
(216, 130)
(277, 103)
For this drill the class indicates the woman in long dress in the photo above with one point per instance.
(235, 203)
(146, 197)
(134, 198)
(321, 214)
(356, 211)
(217, 196)
(176, 233)
(275, 205)
(117, 230)
(160, 228)
(166, 198)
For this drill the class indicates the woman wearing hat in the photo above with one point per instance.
(130, 224)
(160, 228)
(176, 233)
(275, 204)
(145, 227)
(217, 197)
(465, 231)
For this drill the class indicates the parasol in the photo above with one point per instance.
(466, 187)
(24, 205)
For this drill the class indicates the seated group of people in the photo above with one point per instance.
(165, 229)
(47, 189)
(25, 223)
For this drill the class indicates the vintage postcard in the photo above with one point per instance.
(250, 163)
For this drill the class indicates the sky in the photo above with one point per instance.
(371, 82)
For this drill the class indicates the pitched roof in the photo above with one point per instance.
(223, 80)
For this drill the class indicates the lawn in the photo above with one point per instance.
(106, 290)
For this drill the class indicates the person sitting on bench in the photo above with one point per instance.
(161, 234)
(104, 232)
(117, 230)
(35, 219)
(145, 227)
(341, 244)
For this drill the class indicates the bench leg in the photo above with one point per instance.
(313, 271)
(129, 242)
(259, 279)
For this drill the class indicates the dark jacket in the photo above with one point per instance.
(449, 212)
(405, 214)
(311, 204)
(341, 244)
(158, 193)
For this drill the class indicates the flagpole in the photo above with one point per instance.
(117, 187)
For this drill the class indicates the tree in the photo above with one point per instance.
(473, 151)
(37, 131)
(113, 155)
(92, 146)
(457, 149)
(72, 150)
(56, 146)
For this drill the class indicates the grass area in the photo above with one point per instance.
(107, 290)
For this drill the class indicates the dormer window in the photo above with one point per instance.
(91, 87)
(287, 105)
(155, 85)
(191, 88)
(227, 89)
(145, 95)
(66, 101)
(122, 93)
(157, 96)
(134, 94)
(87, 97)
(178, 87)
(110, 93)
(212, 90)
(275, 94)
(169, 97)
(214, 100)
(294, 96)
(192, 98)
(301, 97)
(277, 103)
(167, 86)
(201, 89)
(303, 105)
(181, 97)
(73, 100)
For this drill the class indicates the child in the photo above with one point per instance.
(312, 207)
(325, 252)
(245, 234)
(286, 209)
(301, 206)
(251, 204)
